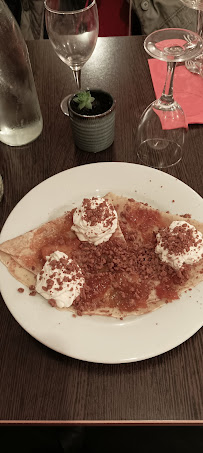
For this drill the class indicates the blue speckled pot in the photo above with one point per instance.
(93, 133)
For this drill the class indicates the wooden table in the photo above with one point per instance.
(37, 383)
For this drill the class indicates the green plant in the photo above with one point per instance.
(84, 99)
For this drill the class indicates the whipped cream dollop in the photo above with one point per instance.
(60, 280)
(95, 220)
(179, 244)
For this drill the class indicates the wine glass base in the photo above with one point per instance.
(173, 44)
(159, 153)
(64, 105)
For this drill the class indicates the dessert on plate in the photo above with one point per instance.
(111, 256)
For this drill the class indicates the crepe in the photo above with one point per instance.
(115, 281)
(148, 222)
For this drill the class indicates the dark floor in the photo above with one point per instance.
(162, 439)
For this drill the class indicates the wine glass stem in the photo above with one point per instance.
(77, 78)
(167, 95)
(200, 22)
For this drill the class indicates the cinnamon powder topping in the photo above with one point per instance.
(103, 212)
(178, 241)
(20, 290)
(68, 266)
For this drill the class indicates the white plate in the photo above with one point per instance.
(102, 339)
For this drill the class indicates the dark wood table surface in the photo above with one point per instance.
(37, 383)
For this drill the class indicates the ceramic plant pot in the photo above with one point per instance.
(93, 131)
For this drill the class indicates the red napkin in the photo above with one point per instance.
(187, 89)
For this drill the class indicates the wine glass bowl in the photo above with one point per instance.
(72, 27)
(162, 126)
(160, 144)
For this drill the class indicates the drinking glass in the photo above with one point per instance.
(72, 27)
(196, 65)
(162, 126)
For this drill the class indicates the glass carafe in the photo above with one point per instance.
(20, 114)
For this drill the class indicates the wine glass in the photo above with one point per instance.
(162, 126)
(72, 27)
(196, 65)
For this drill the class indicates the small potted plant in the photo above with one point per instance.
(92, 115)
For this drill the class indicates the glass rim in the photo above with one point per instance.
(69, 12)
